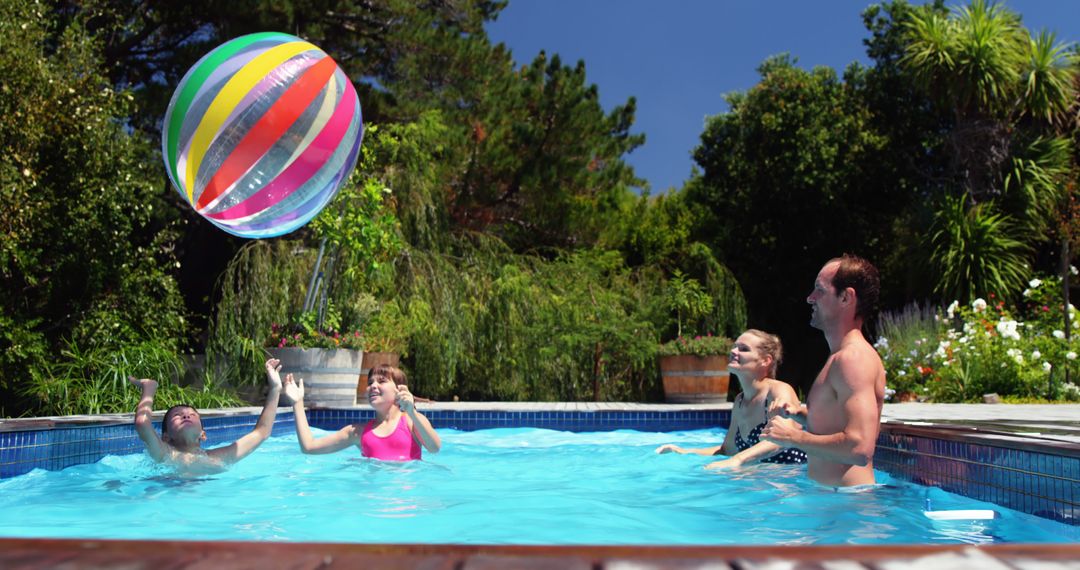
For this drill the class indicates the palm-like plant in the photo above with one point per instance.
(1009, 94)
(983, 64)
(1048, 79)
(975, 252)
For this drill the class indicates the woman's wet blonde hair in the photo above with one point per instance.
(770, 344)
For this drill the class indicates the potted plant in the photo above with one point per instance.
(328, 358)
(385, 335)
(693, 369)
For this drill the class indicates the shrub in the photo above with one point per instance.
(707, 345)
(965, 351)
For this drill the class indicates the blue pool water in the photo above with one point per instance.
(498, 486)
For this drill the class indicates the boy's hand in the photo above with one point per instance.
(143, 383)
(405, 399)
(293, 392)
(273, 376)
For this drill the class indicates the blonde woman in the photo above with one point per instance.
(754, 359)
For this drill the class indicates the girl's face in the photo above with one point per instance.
(381, 391)
(746, 356)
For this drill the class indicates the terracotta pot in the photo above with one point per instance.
(330, 375)
(690, 379)
(371, 360)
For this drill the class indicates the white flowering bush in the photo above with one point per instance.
(964, 351)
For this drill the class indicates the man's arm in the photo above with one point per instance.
(243, 447)
(144, 424)
(854, 385)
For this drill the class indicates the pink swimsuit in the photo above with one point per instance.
(398, 446)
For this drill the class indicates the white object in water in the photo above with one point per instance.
(958, 515)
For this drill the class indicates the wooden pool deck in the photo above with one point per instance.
(155, 555)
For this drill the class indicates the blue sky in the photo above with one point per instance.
(679, 57)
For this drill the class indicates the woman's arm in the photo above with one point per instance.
(753, 454)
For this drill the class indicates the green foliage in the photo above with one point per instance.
(357, 224)
(305, 332)
(907, 329)
(687, 298)
(94, 380)
(265, 282)
(388, 330)
(789, 180)
(534, 158)
(968, 350)
(88, 251)
(707, 345)
(975, 252)
(495, 325)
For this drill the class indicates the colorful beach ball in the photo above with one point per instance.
(261, 133)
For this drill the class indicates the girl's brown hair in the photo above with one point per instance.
(392, 372)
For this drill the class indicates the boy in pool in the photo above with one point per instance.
(180, 443)
(397, 433)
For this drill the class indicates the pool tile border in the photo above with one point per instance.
(1035, 476)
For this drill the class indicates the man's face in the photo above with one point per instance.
(824, 302)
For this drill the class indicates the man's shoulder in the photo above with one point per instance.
(857, 361)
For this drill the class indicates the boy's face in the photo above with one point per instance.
(183, 423)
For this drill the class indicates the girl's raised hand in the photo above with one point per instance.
(292, 391)
(405, 399)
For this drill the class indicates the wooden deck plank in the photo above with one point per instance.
(161, 555)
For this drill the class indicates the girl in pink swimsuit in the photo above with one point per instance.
(398, 433)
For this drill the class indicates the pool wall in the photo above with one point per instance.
(1031, 475)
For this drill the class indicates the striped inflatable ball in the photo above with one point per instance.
(261, 133)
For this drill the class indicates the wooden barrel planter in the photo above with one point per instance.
(371, 360)
(690, 379)
(330, 375)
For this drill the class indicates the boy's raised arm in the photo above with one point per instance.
(243, 447)
(144, 423)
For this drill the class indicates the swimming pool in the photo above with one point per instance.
(494, 486)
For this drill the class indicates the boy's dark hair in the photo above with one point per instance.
(861, 275)
(165, 418)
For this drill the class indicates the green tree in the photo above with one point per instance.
(786, 183)
(1008, 93)
(87, 255)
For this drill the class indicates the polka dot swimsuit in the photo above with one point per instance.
(790, 455)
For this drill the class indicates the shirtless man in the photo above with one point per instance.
(180, 444)
(838, 427)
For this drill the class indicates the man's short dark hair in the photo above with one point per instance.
(861, 275)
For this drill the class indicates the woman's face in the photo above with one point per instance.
(746, 356)
(381, 391)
